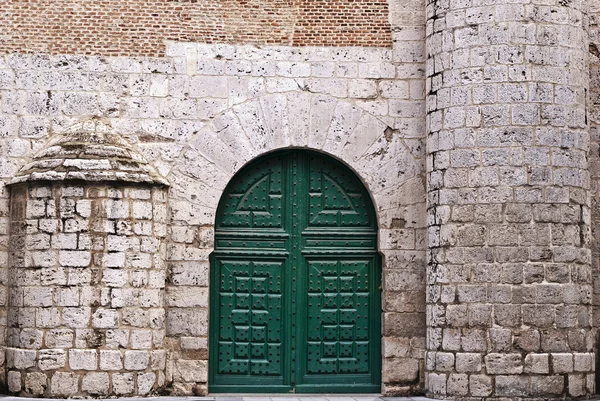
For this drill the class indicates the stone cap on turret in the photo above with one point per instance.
(89, 151)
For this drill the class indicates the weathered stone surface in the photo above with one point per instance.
(64, 384)
(505, 224)
(89, 151)
(191, 371)
(500, 150)
(96, 383)
(400, 369)
(69, 309)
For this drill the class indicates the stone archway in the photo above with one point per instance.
(391, 168)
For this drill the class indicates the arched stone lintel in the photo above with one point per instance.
(338, 128)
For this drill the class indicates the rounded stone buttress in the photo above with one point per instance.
(86, 310)
(509, 274)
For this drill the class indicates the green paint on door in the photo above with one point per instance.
(295, 301)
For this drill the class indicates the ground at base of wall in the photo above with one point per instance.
(256, 397)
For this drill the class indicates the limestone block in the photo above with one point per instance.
(64, 384)
(139, 260)
(51, 359)
(536, 363)
(436, 383)
(96, 383)
(480, 385)
(193, 343)
(468, 362)
(576, 385)
(74, 258)
(59, 338)
(105, 318)
(141, 210)
(21, 359)
(189, 273)
(115, 260)
(190, 371)
(512, 386)
(79, 103)
(444, 361)
(136, 360)
(123, 383)
(37, 296)
(14, 381)
(583, 362)
(504, 363)
(474, 340)
(123, 297)
(31, 338)
(207, 87)
(547, 385)
(36, 383)
(458, 384)
(111, 360)
(562, 363)
(186, 297)
(76, 317)
(83, 359)
(141, 339)
(114, 277)
(158, 359)
(187, 322)
(145, 382)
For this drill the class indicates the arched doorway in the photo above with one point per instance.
(295, 278)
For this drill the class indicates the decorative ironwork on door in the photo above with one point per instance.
(295, 304)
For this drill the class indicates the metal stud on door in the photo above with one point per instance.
(295, 304)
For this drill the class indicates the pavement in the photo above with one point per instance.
(253, 397)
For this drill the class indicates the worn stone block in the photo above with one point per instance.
(111, 360)
(14, 381)
(190, 371)
(468, 362)
(123, 383)
(64, 384)
(145, 382)
(562, 363)
(137, 360)
(547, 385)
(51, 359)
(83, 359)
(96, 383)
(480, 385)
(536, 363)
(504, 363)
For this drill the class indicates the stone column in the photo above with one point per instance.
(86, 313)
(509, 276)
(86, 299)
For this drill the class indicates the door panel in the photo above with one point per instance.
(337, 317)
(295, 304)
(250, 319)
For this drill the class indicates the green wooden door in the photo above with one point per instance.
(295, 301)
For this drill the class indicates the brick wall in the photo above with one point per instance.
(139, 28)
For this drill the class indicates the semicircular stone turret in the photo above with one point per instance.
(86, 313)
(90, 151)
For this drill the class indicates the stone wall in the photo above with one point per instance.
(86, 309)
(203, 111)
(594, 118)
(509, 279)
(139, 28)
